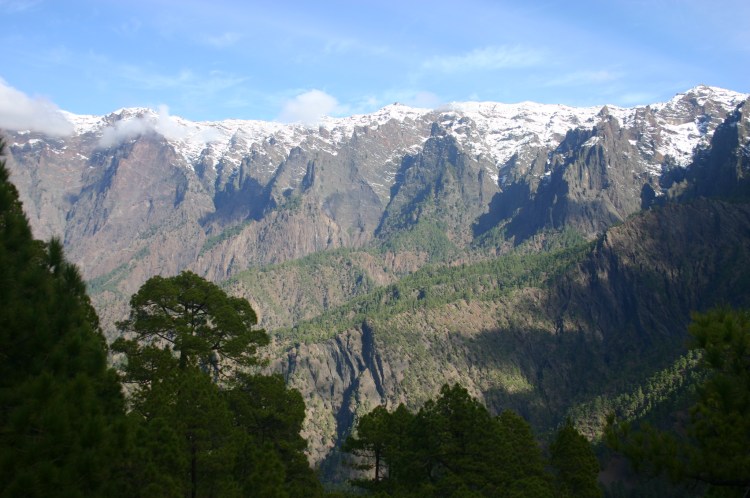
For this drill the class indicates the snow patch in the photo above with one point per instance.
(496, 131)
(592, 141)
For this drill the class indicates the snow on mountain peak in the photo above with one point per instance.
(502, 129)
(679, 131)
(396, 111)
(495, 130)
(82, 123)
(700, 95)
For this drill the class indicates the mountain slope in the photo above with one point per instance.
(536, 332)
(491, 244)
(518, 333)
(246, 193)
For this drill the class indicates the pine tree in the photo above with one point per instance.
(371, 443)
(451, 447)
(185, 321)
(187, 345)
(522, 467)
(575, 462)
(184, 335)
(62, 423)
(713, 448)
(268, 418)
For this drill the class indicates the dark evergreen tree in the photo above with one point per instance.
(464, 450)
(183, 334)
(187, 346)
(576, 464)
(384, 447)
(192, 318)
(371, 443)
(451, 447)
(522, 468)
(268, 418)
(713, 448)
(62, 422)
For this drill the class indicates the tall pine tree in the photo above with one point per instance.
(62, 425)
(187, 345)
(575, 462)
(451, 447)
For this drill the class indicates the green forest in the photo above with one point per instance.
(177, 406)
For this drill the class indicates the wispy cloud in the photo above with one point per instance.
(129, 27)
(591, 77)
(185, 81)
(487, 58)
(223, 40)
(20, 112)
(15, 6)
(309, 107)
(338, 46)
(151, 80)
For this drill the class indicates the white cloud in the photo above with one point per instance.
(486, 58)
(20, 112)
(124, 130)
(161, 122)
(169, 127)
(309, 107)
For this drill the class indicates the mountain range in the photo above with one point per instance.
(542, 255)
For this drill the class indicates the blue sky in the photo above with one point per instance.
(288, 60)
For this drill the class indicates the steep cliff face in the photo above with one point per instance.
(442, 185)
(601, 174)
(724, 168)
(595, 178)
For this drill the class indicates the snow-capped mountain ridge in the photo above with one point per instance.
(512, 143)
(247, 168)
(496, 130)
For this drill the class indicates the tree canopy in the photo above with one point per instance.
(575, 462)
(187, 346)
(195, 320)
(713, 446)
(62, 420)
(454, 447)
